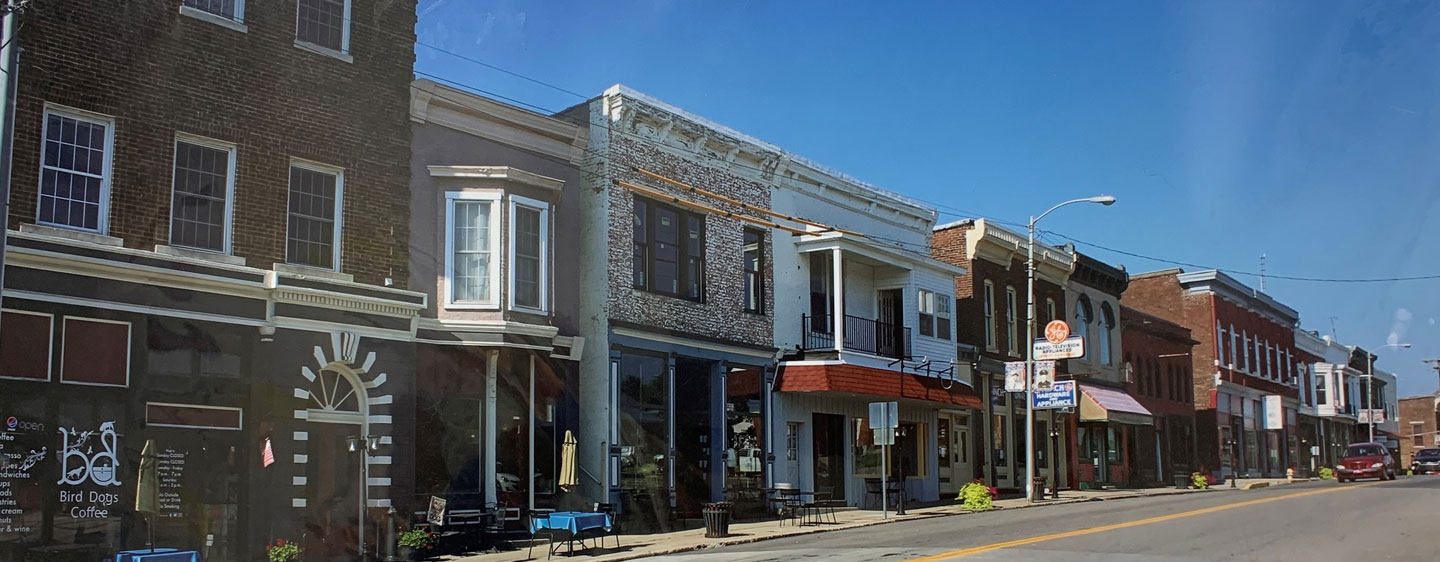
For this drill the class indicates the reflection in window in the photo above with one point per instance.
(644, 437)
(745, 431)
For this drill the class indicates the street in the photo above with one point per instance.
(1316, 521)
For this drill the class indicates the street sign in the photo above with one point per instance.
(1274, 412)
(884, 415)
(1072, 347)
(1015, 376)
(884, 436)
(1056, 331)
(1368, 415)
(1044, 374)
(1061, 394)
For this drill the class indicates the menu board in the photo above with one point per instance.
(170, 470)
(22, 455)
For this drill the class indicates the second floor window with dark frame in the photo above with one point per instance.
(314, 200)
(754, 267)
(528, 259)
(228, 9)
(324, 23)
(199, 213)
(669, 250)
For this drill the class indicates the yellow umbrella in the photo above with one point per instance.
(568, 478)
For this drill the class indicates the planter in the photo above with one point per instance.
(411, 554)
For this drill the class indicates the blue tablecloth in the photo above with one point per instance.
(573, 521)
(158, 555)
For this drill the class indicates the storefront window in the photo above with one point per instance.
(449, 447)
(866, 453)
(1042, 433)
(644, 438)
(997, 439)
(744, 443)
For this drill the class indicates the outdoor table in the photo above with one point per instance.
(573, 523)
(794, 501)
(157, 555)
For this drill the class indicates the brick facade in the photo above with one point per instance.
(1160, 352)
(157, 73)
(721, 313)
(1419, 416)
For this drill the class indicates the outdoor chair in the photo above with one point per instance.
(609, 509)
(537, 534)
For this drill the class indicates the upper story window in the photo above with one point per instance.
(934, 314)
(990, 316)
(926, 306)
(942, 316)
(472, 241)
(1083, 315)
(1050, 310)
(669, 250)
(821, 282)
(1107, 327)
(229, 9)
(529, 237)
(1244, 351)
(324, 23)
(75, 170)
(754, 270)
(204, 187)
(316, 193)
(1011, 321)
(1320, 397)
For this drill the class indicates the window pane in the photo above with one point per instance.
(311, 237)
(222, 8)
(199, 203)
(470, 264)
(322, 22)
(72, 178)
(754, 294)
(527, 256)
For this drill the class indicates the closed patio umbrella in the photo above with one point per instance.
(568, 478)
(147, 490)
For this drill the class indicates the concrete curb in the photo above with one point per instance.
(916, 516)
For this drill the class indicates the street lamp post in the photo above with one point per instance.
(1106, 200)
(1370, 386)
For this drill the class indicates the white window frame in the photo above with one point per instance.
(544, 277)
(103, 224)
(237, 23)
(229, 148)
(944, 314)
(1050, 311)
(238, 427)
(339, 174)
(992, 339)
(451, 197)
(1012, 302)
(129, 351)
(49, 346)
(344, 52)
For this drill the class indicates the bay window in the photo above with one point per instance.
(471, 245)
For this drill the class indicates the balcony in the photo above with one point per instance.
(862, 335)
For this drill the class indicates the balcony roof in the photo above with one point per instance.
(868, 382)
(878, 252)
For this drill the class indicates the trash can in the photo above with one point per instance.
(1037, 485)
(1182, 482)
(717, 520)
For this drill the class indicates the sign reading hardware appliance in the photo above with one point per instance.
(1061, 394)
(1072, 347)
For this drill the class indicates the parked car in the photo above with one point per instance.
(1426, 461)
(1365, 460)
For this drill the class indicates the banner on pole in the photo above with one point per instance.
(1015, 376)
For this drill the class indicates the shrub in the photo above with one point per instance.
(283, 551)
(1326, 473)
(417, 539)
(1199, 481)
(977, 496)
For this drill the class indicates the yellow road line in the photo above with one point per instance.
(1103, 528)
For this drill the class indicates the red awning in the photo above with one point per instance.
(854, 379)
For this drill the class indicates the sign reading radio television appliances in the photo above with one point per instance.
(1072, 347)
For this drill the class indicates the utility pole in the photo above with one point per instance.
(9, 60)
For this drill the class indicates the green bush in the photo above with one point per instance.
(417, 539)
(1326, 473)
(976, 496)
(283, 551)
(1199, 481)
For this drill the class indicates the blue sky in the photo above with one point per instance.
(1305, 131)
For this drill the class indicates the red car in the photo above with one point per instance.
(1365, 460)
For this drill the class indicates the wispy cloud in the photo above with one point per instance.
(1400, 326)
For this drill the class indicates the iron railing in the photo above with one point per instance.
(884, 339)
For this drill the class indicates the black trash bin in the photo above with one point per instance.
(1038, 488)
(717, 520)
(1182, 481)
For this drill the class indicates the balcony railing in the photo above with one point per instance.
(861, 334)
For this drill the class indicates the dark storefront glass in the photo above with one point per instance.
(745, 434)
(449, 449)
(644, 440)
(693, 436)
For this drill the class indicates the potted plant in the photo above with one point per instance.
(976, 496)
(415, 544)
(284, 550)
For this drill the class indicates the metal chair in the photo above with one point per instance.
(548, 534)
(610, 509)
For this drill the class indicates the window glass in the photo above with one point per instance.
(322, 22)
(1012, 317)
(989, 316)
(311, 236)
(223, 8)
(942, 317)
(199, 209)
(528, 259)
(745, 435)
(644, 431)
(471, 263)
(926, 307)
(754, 280)
(74, 179)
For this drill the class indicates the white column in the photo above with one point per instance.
(838, 288)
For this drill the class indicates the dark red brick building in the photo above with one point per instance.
(1157, 353)
(207, 250)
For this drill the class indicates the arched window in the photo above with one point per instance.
(1107, 325)
(1083, 315)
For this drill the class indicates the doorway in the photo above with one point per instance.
(890, 323)
(954, 459)
(332, 499)
(692, 438)
(828, 443)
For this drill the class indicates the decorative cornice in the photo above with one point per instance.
(989, 241)
(499, 173)
(468, 113)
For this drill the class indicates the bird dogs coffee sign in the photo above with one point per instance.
(89, 471)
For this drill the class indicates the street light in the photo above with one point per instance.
(1370, 385)
(1106, 200)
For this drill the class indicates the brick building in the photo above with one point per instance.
(990, 320)
(204, 252)
(1419, 426)
(1157, 354)
(1244, 368)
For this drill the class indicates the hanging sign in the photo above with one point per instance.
(1044, 374)
(1274, 412)
(1072, 347)
(1061, 394)
(1015, 376)
(1056, 331)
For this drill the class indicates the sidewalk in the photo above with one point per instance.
(640, 546)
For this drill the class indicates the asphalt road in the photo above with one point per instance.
(1310, 522)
